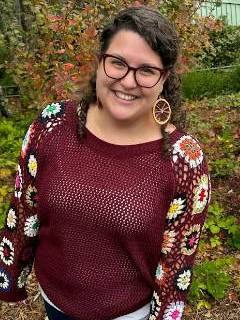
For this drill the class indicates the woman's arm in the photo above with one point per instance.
(183, 226)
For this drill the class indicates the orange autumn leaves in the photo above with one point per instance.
(64, 44)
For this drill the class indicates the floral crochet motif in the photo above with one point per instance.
(168, 240)
(11, 219)
(32, 165)
(190, 241)
(200, 195)
(188, 149)
(31, 226)
(174, 311)
(183, 279)
(52, 111)
(160, 273)
(18, 183)
(6, 251)
(31, 196)
(155, 306)
(177, 207)
(5, 280)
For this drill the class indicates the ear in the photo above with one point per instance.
(165, 76)
(98, 61)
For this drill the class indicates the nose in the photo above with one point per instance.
(129, 80)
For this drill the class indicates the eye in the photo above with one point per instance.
(117, 63)
(148, 71)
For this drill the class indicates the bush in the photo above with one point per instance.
(210, 83)
(211, 279)
(225, 49)
(70, 29)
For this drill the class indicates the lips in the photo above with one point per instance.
(125, 96)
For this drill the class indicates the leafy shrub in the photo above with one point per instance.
(210, 83)
(12, 133)
(217, 221)
(210, 278)
(52, 45)
(225, 49)
(235, 78)
(223, 167)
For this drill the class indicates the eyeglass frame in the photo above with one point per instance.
(105, 55)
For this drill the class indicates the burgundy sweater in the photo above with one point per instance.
(108, 227)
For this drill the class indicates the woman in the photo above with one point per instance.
(110, 195)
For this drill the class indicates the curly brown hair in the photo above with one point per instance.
(162, 37)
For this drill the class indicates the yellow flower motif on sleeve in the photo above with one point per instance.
(177, 207)
(32, 165)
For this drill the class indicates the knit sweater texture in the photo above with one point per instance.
(108, 227)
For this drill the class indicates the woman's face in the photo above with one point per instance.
(125, 100)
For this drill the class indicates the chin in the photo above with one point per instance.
(120, 115)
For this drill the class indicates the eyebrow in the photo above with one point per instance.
(140, 66)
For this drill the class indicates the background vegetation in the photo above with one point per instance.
(48, 49)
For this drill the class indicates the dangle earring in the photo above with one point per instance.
(161, 111)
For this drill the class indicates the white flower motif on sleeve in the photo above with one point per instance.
(31, 226)
(5, 280)
(188, 149)
(155, 306)
(6, 251)
(18, 183)
(183, 279)
(200, 195)
(174, 311)
(11, 219)
(177, 207)
(32, 165)
(51, 110)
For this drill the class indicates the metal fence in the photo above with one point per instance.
(229, 9)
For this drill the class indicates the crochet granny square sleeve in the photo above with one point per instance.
(183, 226)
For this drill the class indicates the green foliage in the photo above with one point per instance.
(11, 137)
(12, 133)
(210, 83)
(225, 49)
(218, 221)
(235, 78)
(210, 278)
(223, 167)
(52, 46)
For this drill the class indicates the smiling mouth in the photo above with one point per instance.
(124, 96)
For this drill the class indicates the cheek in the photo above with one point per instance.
(153, 93)
(102, 81)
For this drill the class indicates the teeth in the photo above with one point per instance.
(124, 96)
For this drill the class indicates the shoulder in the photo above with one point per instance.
(56, 112)
(190, 167)
(187, 149)
(50, 117)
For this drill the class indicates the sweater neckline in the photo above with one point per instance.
(110, 148)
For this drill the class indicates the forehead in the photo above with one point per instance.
(134, 48)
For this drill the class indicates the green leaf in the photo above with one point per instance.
(214, 229)
(215, 241)
(203, 304)
(236, 239)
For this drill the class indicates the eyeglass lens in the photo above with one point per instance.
(145, 76)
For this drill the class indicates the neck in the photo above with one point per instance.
(121, 132)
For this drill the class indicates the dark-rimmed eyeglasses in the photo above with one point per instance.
(145, 76)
